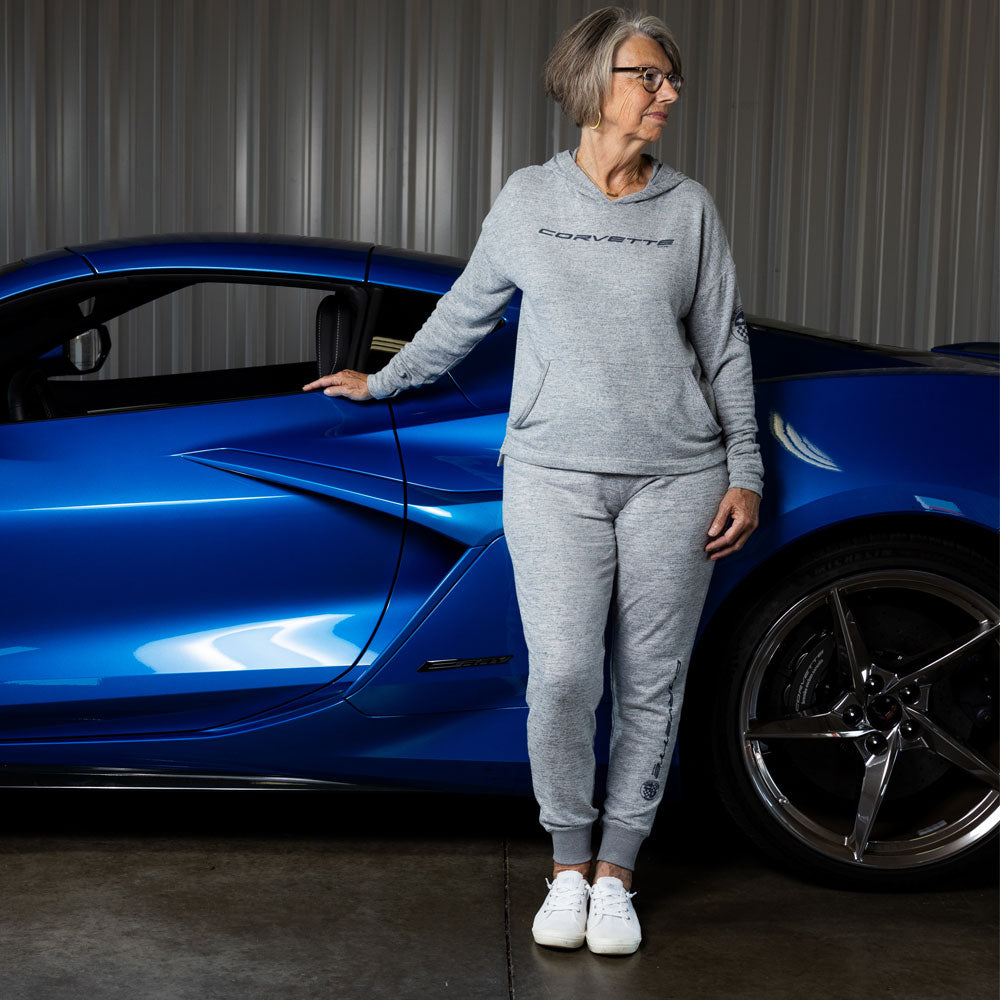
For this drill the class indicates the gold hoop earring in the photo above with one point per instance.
(598, 122)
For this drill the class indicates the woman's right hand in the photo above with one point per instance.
(348, 383)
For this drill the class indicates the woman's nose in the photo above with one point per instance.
(666, 92)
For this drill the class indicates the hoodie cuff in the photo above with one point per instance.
(747, 481)
(381, 385)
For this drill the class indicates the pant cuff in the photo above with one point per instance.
(619, 846)
(571, 847)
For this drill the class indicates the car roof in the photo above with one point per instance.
(276, 254)
(306, 256)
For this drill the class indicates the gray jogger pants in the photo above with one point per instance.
(577, 540)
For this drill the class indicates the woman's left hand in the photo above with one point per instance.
(741, 505)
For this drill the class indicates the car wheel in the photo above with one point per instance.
(856, 732)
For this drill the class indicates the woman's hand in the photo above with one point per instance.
(741, 505)
(348, 383)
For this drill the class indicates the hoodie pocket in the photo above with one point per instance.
(636, 413)
(697, 394)
(532, 399)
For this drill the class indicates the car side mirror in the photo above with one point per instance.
(88, 351)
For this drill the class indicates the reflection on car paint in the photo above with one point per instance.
(799, 446)
(931, 503)
(149, 503)
(292, 642)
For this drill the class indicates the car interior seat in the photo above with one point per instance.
(340, 320)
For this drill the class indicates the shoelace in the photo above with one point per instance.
(607, 901)
(564, 896)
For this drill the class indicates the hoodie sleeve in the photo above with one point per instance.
(462, 317)
(718, 332)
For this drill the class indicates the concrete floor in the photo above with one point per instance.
(212, 896)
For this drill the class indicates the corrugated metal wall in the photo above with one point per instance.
(852, 145)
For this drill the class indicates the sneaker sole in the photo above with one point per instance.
(557, 941)
(611, 946)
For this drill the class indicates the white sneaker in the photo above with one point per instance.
(612, 927)
(562, 920)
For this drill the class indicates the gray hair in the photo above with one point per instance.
(578, 70)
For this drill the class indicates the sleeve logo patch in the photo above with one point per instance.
(740, 327)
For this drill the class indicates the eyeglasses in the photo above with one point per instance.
(652, 78)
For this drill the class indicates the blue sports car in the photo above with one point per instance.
(213, 579)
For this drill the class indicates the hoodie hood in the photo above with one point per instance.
(662, 180)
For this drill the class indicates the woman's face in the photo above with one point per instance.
(629, 107)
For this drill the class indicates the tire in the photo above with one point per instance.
(884, 774)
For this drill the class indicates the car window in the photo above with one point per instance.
(397, 314)
(178, 341)
(212, 326)
(173, 342)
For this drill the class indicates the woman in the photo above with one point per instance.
(631, 421)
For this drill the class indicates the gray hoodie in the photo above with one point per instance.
(632, 352)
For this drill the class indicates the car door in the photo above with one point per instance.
(463, 648)
(183, 560)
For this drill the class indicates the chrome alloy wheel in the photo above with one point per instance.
(868, 719)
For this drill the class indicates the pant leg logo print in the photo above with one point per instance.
(648, 788)
(659, 762)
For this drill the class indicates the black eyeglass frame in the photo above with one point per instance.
(674, 79)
